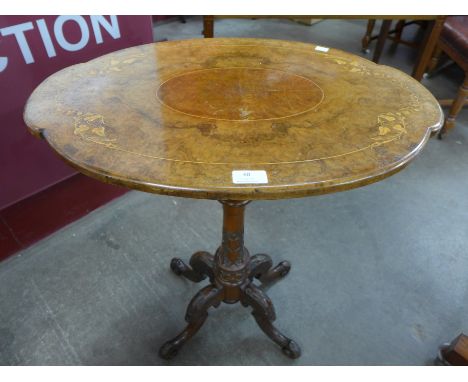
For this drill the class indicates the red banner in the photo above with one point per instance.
(31, 49)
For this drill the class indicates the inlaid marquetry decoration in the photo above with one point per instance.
(91, 126)
(178, 117)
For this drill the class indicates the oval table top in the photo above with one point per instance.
(179, 117)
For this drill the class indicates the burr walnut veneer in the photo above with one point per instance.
(179, 117)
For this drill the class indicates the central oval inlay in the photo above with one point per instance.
(240, 94)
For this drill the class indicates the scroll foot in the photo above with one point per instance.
(276, 273)
(259, 265)
(171, 348)
(264, 313)
(201, 265)
(292, 350)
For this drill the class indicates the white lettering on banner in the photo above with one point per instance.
(111, 27)
(3, 63)
(41, 24)
(18, 31)
(58, 31)
(98, 24)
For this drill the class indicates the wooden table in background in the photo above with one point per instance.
(181, 118)
(427, 46)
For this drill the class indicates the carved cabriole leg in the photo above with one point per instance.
(231, 272)
(259, 265)
(195, 316)
(261, 269)
(276, 273)
(264, 313)
(201, 265)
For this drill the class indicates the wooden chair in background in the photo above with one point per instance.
(431, 35)
(385, 33)
(453, 42)
(454, 353)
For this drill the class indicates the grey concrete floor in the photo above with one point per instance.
(379, 277)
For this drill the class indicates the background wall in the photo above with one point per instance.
(31, 49)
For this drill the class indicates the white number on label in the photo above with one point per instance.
(249, 177)
(322, 48)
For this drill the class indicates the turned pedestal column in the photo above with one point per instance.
(231, 272)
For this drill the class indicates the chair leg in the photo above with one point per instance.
(434, 60)
(456, 106)
(399, 30)
(367, 37)
(208, 26)
(383, 34)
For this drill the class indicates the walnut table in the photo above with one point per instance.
(233, 120)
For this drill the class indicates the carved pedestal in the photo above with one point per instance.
(231, 272)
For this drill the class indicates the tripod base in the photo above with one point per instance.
(231, 272)
(259, 267)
